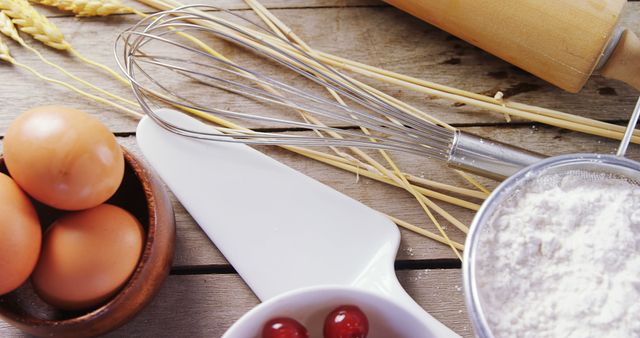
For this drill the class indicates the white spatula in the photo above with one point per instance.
(280, 229)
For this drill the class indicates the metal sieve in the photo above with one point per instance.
(611, 165)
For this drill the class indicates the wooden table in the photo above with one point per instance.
(204, 296)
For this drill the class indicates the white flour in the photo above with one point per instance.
(562, 260)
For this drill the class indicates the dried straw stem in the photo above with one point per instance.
(396, 176)
(424, 232)
(307, 63)
(536, 114)
(385, 75)
(76, 78)
(399, 179)
(458, 190)
(532, 113)
(106, 69)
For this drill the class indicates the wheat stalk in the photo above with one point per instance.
(6, 56)
(279, 28)
(88, 7)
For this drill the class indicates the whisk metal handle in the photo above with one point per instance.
(631, 127)
(488, 158)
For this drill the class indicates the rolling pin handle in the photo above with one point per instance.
(624, 62)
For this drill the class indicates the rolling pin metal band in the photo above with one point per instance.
(624, 62)
(609, 48)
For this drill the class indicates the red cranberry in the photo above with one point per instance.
(283, 327)
(346, 321)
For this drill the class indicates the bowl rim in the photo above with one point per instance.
(247, 317)
(504, 190)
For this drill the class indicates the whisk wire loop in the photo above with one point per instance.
(152, 46)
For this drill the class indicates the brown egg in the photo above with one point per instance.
(63, 157)
(87, 256)
(20, 235)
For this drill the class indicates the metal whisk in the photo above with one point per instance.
(168, 68)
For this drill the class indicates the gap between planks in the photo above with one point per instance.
(400, 265)
(462, 126)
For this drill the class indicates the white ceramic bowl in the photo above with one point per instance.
(310, 306)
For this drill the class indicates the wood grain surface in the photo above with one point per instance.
(204, 296)
(359, 33)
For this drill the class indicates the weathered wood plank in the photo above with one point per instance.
(444, 299)
(194, 247)
(207, 305)
(360, 33)
(364, 30)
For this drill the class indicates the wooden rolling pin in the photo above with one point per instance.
(560, 41)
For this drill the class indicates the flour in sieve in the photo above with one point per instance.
(561, 259)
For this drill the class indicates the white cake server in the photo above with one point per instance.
(280, 229)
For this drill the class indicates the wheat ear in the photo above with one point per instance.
(33, 23)
(88, 7)
(8, 28)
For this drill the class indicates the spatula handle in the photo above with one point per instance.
(624, 62)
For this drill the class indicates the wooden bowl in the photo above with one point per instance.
(142, 194)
